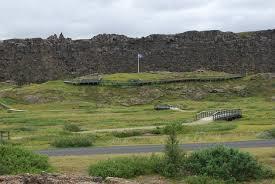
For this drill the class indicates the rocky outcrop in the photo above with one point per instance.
(60, 179)
(39, 60)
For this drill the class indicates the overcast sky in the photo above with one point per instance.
(135, 18)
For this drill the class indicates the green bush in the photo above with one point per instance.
(124, 167)
(73, 141)
(173, 126)
(15, 160)
(225, 163)
(156, 131)
(128, 133)
(272, 132)
(72, 128)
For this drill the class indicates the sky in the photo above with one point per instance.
(135, 18)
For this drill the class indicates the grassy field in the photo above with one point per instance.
(154, 76)
(151, 76)
(51, 105)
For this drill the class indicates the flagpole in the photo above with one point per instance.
(138, 63)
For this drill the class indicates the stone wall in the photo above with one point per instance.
(39, 60)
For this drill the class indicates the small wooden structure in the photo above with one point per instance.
(4, 135)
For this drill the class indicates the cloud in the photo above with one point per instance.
(86, 18)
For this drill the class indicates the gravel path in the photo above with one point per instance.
(151, 148)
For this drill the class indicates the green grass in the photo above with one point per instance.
(160, 75)
(94, 108)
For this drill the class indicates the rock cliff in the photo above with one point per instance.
(39, 60)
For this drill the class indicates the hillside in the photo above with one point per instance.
(51, 105)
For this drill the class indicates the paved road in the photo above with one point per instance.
(151, 148)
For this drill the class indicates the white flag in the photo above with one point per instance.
(140, 56)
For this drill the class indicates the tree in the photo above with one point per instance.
(174, 155)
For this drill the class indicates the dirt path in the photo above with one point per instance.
(199, 122)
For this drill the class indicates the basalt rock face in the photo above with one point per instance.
(39, 60)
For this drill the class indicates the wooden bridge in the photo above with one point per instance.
(221, 114)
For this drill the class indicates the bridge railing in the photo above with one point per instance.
(228, 114)
(204, 114)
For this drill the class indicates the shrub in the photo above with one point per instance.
(225, 163)
(73, 141)
(15, 160)
(156, 131)
(128, 133)
(272, 132)
(174, 126)
(172, 162)
(124, 167)
(268, 134)
(72, 128)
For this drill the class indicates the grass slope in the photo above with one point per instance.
(51, 105)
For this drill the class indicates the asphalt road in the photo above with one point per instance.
(151, 148)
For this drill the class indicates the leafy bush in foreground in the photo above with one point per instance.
(15, 160)
(225, 163)
(73, 141)
(124, 167)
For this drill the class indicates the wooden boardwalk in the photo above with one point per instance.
(143, 83)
